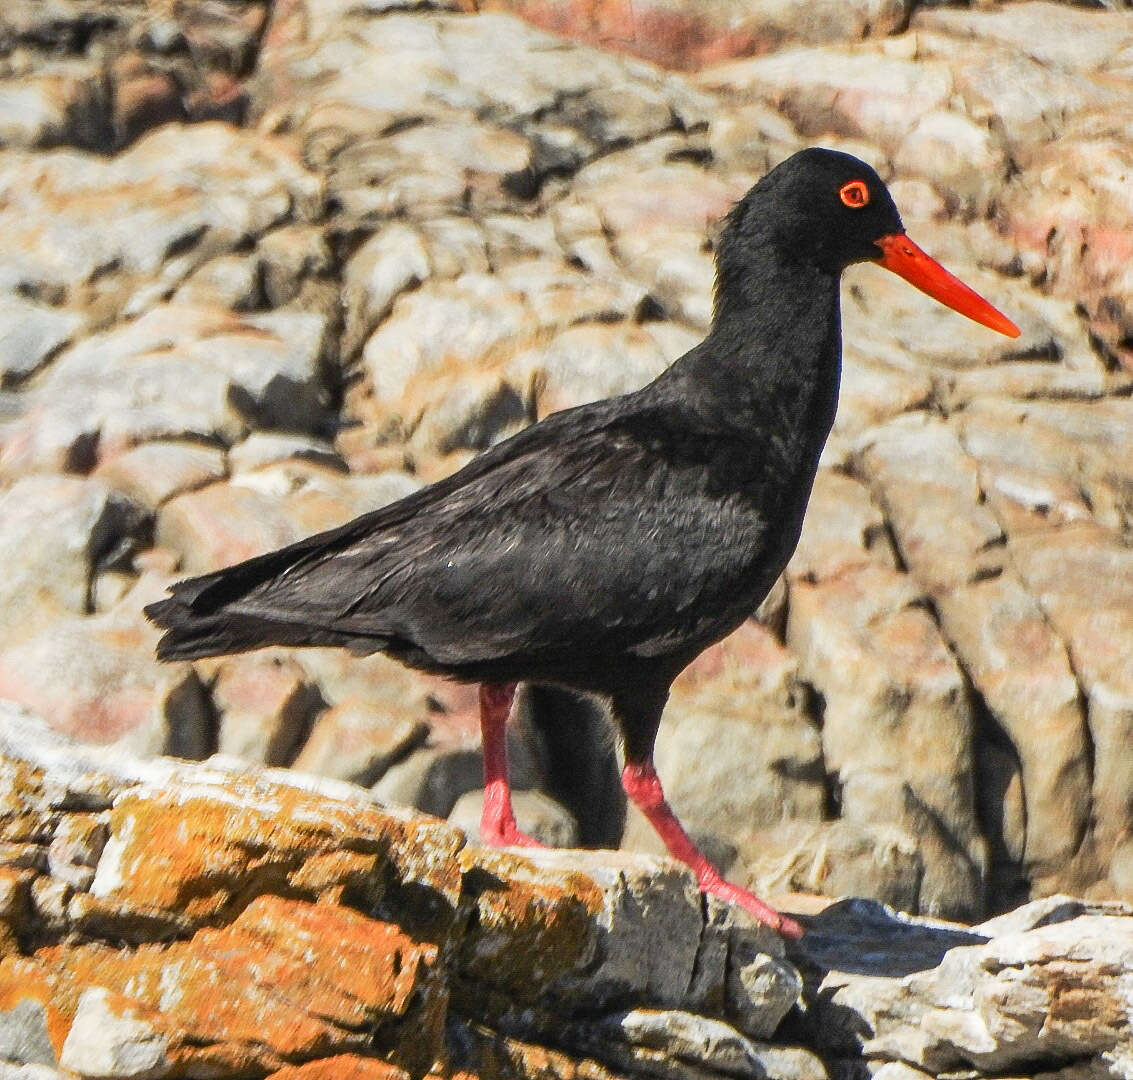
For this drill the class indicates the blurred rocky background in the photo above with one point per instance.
(268, 264)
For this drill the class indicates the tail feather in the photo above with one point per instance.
(193, 636)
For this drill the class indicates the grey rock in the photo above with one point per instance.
(697, 1040)
(433, 778)
(30, 1072)
(761, 988)
(23, 1034)
(994, 997)
(30, 334)
(75, 849)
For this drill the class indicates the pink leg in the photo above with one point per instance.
(497, 823)
(644, 788)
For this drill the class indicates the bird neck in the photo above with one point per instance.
(771, 361)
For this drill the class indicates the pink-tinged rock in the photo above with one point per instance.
(98, 681)
(1083, 578)
(267, 508)
(155, 472)
(1022, 671)
(396, 693)
(1073, 210)
(1014, 91)
(686, 35)
(267, 705)
(1054, 34)
(223, 524)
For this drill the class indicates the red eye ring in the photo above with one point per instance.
(855, 194)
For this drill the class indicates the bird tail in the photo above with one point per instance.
(227, 612)
(190, 635)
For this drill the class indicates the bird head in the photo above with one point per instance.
(832, 209)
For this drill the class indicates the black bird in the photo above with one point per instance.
(605, 547)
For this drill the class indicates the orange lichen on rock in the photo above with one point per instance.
(342, 1067)
(195, 854)
(286, 981)
(532, 923)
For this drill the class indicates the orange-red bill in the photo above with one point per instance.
(905, 259)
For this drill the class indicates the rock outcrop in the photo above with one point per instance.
(269, 264)
(167, 919)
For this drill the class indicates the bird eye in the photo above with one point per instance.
(855, 194)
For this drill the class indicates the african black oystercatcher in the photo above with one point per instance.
(606, 546)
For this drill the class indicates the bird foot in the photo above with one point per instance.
(644, 788)
(712, 884)
(497, 821)
(506, 834)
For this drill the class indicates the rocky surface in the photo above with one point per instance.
(271, 264)
(167, 919)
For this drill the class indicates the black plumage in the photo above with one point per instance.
(606, 546)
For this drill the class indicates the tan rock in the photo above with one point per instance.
(78, 524)
(154, 472)
(267, 705)
(879, 661)
(356, 741)
(736, 750)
